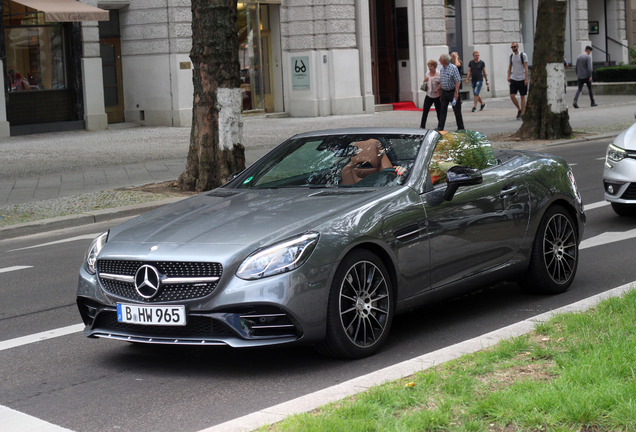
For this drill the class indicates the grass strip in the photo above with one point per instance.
(575, 372)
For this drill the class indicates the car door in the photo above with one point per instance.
(480, 228)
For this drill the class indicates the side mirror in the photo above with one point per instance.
(460, 176)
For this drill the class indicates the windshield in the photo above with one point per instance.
(338, 161)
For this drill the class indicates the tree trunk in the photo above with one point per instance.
(546, 115)
(215, 139)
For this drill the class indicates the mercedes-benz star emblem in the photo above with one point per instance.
(147, 281)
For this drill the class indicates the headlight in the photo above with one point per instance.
(91, 255)
(280, 258)
(616, 154)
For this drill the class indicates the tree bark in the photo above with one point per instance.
(546, 115)
(215, 150)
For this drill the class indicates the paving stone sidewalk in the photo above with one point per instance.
(66, 175)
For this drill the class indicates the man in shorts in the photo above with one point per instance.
(477, 73)
(518, 78)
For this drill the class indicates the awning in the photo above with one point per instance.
(65, 10)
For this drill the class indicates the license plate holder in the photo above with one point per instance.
(161, 315)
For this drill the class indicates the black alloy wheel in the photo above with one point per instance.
(555, 253)
(360, 308)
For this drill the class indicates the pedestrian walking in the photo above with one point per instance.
(433, 92)
(477, 74)
(518, 78)
(584, 75)
(450, 79)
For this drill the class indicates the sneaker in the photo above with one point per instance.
(474, 109)
(574, 105)
(482, 107)
(519, 114)
(594, 104)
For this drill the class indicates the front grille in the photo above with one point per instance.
(167, 293)
(630, 192)
(197, 326)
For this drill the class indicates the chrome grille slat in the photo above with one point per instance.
(180, 280)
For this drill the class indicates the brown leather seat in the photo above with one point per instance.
(370, 159)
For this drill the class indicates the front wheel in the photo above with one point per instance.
(360, 309)
(555, 254)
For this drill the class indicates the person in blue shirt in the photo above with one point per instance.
(450, 79)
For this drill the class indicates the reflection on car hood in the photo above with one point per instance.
(240, 217)
(627, 139)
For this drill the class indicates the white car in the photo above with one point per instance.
(619, 176)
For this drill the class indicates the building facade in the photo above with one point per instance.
(301, 57)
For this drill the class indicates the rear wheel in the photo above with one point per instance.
(624, 209)
(360, 309)
(555, 254)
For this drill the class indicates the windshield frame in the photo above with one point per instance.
(252, 174)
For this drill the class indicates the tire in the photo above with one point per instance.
(360, 308)
(555, 254)
(624, 209)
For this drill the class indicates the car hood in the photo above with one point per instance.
(241, 217)
(627, 139)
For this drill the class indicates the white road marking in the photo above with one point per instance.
(596, 205)
(67, 240)
(607, 237)
(14, 268)
(601, 158)
(16, 421)
(39, 337)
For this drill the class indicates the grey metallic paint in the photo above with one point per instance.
(484, 233)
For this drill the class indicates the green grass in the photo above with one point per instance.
(576, 372)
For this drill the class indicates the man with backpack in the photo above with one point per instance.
(518, 78)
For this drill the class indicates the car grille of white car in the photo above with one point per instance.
(121, 274)
(630, 192)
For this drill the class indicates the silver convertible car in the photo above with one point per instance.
(619, 176)
(330, 235)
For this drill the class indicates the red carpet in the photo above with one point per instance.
(405, 106)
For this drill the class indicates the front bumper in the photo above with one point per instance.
(241, 327)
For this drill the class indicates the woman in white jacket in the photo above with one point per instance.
(433, 92)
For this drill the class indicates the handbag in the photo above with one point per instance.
(424, 86)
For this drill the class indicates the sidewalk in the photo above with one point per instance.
(80, 177)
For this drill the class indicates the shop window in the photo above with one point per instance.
(254, 36)
(35, 50)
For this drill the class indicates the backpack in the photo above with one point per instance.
(522, 57)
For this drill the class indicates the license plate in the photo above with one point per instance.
(151, 315)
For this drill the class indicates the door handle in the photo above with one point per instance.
(508, 191)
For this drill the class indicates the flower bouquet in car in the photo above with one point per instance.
(465, 148)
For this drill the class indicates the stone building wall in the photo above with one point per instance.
(318, 25)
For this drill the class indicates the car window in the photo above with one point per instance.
(466, 148)
(337, 161)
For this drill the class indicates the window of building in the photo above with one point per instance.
(35, 50)
(255, 55)
(453, 26)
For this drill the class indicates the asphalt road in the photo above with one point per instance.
(96, 385)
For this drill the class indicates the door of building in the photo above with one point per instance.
(383, 50)
(110, 51)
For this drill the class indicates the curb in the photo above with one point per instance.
(44, 225)
(404, 369)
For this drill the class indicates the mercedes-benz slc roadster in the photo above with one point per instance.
(330, 235)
